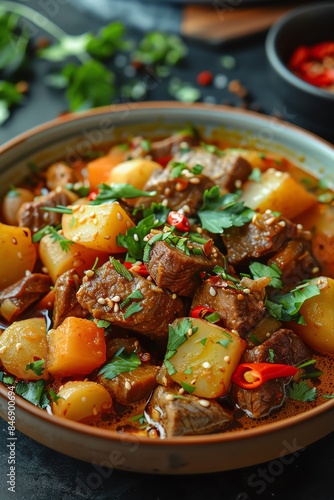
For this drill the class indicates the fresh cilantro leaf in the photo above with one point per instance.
(286, 307)
(37, 367)
(177, 336)
(107, 41)
(273, 272)
(220, 212)
(34, 392)
(102, 323)
(301, 391)
(136, 294)
(6, 379)
(121, 362)
(55, 236)
(136, 244)
(158, 210)
(157, 47)
(116, 191)
(88, 85)
(203, 341)
(170, 367)
(54, 397)
(132, 309)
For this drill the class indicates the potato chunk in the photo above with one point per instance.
(135, 172)
(318, 314)
(17, 254)
(79, 400)
(22, 343)
(204, 363)
(58, 261)
(97, 226)
(279, 192)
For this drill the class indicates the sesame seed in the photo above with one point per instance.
(82, 208)
(227, 359)
(268, 334)
(164, 203)
(270, 221)
(14, 241)
(255, 216)
(167, 192)
(181, 390)
(127, 385)
(146, 238)
(149, 278)
(136, 237)
(119, 216)
(169, 397)
(278, 173)
(190, 332)
(27, 272)
(268, 211)
(89, 273)
(212, 291)
(282, 223)
(271, 170)
(94, 410)
(128, 223)
(116, 308)
(101, 301)
(156, 221)
(238, 183)
(18, 346)
(206, 365)
(44, 269)
(110, 303)
(179, 186)
(194, 180)
(19, 254)
(204, 402)
(315, 270)
(107, 237)
(300, 227)
(246, 291)
(75, 208)
(116, 298)
(84, 399)
(136, 344)
(186, 208)
(235, 332)
(174, 296)
(199, 230)
(75, 238)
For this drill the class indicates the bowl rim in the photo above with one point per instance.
(110, 435)
(276, 61)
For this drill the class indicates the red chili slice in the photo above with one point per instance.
(92, 195)
(201, 312)
(299, 56)
(179, 221)
(252, 375)
(142, 270)
(322, 50)
(164, 160)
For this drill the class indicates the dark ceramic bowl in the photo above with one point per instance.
(307, 25)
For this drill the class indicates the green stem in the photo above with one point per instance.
(39, 20)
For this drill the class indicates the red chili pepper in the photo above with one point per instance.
(164, 160)
(179, 221)
(201, 312)
(299, 56)
(322, 50)
(142, 268)
(252, 375)
(92, 195)
(204, 78)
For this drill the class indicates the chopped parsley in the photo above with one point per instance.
(273, 272)
(132, 309)
(37, 367)
(133, 240)
(286, 307)
(55, 236)
(121, 362)
(134, 295)
(34, 392)
(271, 353)
(211, 148)
(121, 269)
(115, 192)
(301, 391)
(188, 388)
(7, 379)
(220, 212)
(54, 397)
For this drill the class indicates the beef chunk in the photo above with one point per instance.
(156, 309)
(164, 147)
(173, 269)
(16, 298)
(188, 415)
(66, 302)
(59, 174)
(30, 214)
(265, 235)
(288, 349)
(238, 310)
(180, 193)
(133, 386)
(296, 262)
(227, 170)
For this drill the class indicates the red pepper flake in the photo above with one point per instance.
(92, 195)
(201, 312)
(314, 64)
(164, 160)
(204, 78)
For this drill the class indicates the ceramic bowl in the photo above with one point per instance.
(306, 25)
(71, 135)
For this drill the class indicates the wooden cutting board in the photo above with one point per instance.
(216, 24)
